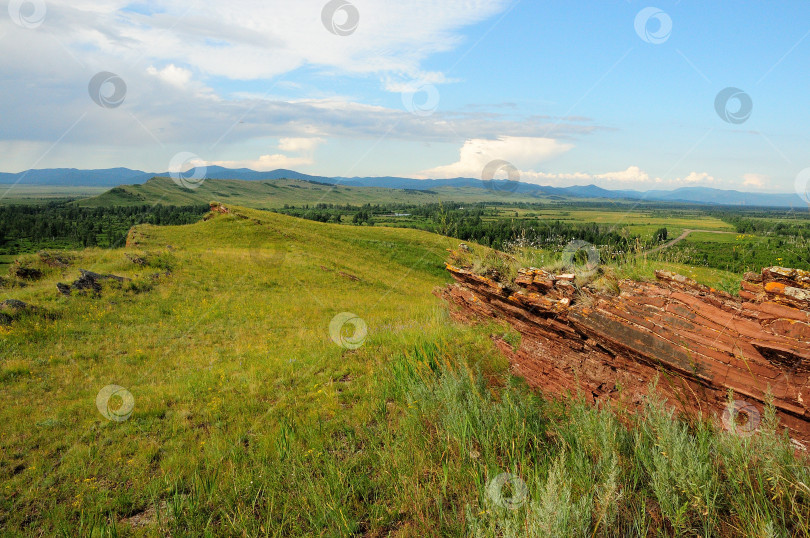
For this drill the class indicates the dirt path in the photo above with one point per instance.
(683, 236)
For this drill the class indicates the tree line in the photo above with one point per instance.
(25, 228)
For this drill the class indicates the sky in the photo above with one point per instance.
(621, 94)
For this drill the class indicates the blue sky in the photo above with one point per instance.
(570, 92)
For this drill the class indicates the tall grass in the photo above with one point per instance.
(594, 471)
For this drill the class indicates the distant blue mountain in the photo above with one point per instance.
(112, 177)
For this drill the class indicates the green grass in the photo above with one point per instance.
(41, 194)
(635, 266)
(642, 221)
(5, 261)
(250, 420)
(274, 194)
(741, 252)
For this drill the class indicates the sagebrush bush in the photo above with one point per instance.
(586, 472)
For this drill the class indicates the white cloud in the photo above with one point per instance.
(525, 153)
(175, 60)
(249, 40)
(695, 177)
(757, 181)
(632, 177)
(632, 174)
(176, 76)
(475, 154)
(265, 163)
(304, 147)
(296, 145)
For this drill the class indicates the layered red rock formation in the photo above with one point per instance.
(698, 342)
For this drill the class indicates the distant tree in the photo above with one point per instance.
(661, 234)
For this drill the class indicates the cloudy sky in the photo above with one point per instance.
(620, 94)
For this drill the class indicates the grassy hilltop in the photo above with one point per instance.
(249, 419)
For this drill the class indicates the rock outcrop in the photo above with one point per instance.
(24, 271)
(697, 342)
(88, 280)
(11, 309)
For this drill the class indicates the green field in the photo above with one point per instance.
(252, 417)
(39, 194)
(626, 215)
(5, 261)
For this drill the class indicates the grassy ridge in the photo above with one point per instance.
(276, 193)
(250, 420)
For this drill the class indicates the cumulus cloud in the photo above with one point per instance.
(476, 153)
(304, 147)
(757, 181)
(299, 144)
(631, 177)
(631, 174)
(265, 163)
(526, 153)
(176, 76)
(702, 178)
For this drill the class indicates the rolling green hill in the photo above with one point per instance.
(273, 376)
(276, 193)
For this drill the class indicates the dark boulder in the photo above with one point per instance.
(88, 280)
(10, 309)
(24, 272)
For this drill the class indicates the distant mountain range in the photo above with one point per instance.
(113, 177)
